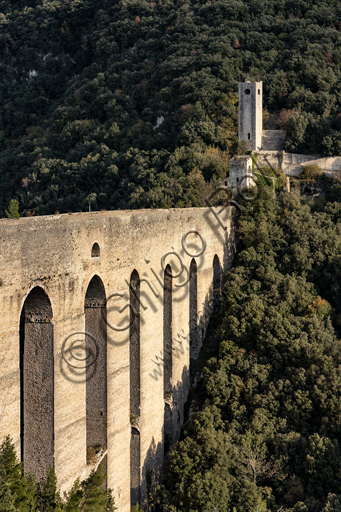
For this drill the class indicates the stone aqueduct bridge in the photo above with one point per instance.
(94, 337)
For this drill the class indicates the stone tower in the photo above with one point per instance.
(240, 175)
(250, 123)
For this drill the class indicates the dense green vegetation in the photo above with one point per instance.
(267, 428)
(83, 83)
(13, 209)
(131, 104)
(20, 493)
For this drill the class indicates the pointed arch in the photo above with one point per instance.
(193, 309)
(216, 279)
(95, 293)
(135, 388)
(167, 330)
(37, 383)
(95, 313)
(134, 349)
(167, 357)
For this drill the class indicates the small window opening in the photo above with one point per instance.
(247, 91)
(248, 136)
(95, 251)
(258, 91)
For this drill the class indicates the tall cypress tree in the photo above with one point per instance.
(16, 488)
(20, 493)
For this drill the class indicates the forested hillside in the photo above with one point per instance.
(130, 104)
(267, 431)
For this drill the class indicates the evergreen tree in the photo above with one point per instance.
(7, 501)
(20, 493)
(16, 488)
(89, 495)
(13, 209)
(48, 498)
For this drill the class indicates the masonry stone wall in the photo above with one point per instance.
(54, 254)
(37, 383)
(273, 140)
(240, 172)
(95, 339)
(293, 164)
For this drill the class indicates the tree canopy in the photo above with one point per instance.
(265, 425)
(130, 104)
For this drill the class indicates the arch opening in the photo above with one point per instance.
(167, 357)
(135, 388)
(95, 251)
(95, 312)
(216, 280)
(167, 330)
(193, 309)
(37, 383)
(247, 91)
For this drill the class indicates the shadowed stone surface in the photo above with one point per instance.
(135, 466)
(135, 390)
(96, 383)
(37, 368)
(193, 309)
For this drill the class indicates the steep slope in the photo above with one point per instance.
(133, 104)
(266, 431)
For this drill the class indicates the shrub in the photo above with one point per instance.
(311, 172)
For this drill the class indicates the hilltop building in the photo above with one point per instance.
(268, 145)
(240, 175)
(250, 122)
(250, 130)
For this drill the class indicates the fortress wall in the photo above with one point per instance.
(54, 252)
(289, 163)
(272, 158)
(273, 140)
(332, 163)
(296, 159)
(292, 164)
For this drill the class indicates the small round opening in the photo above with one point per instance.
(247, 91)
(95, 251)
